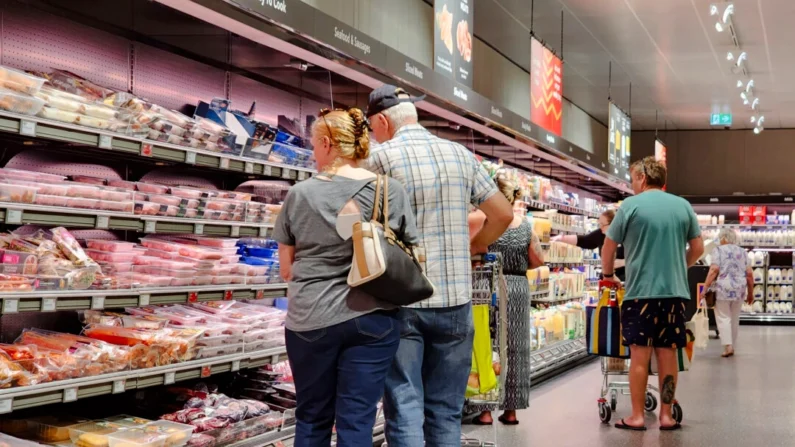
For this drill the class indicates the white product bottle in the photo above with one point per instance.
(758, 307)
(759, 258)
(788, 279)
(771, 276)
(777, 276)
(758, 292)
(777, 293)
(769, 294)
(789, 308)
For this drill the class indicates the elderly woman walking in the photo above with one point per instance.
(733, 282)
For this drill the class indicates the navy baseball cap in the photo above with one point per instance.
(388, 96)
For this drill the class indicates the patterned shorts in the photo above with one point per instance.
(654, 322)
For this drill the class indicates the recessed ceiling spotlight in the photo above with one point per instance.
(729, 56)
(753, 119)
(713, 10)
(739, 83)
(756, 130)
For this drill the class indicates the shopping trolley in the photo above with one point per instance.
(612, 366)
(490, 288)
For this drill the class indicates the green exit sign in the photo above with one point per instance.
(720, 119)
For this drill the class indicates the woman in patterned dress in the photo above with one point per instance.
(521, 251)
(733, 282)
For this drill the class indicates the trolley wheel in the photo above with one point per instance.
(613, 400)
(605, 413)
(676, 411)
(651, 402)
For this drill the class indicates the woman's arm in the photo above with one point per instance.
(476, 221)
(286, 259)
(570, 239)
(714, 270)
(536, 253)
(749, 282)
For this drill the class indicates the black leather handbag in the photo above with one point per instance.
(384, 266)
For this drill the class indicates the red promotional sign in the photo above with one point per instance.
(546, 89)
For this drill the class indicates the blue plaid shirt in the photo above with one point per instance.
(442, 179)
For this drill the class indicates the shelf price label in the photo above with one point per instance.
(234, 231)
(48, 304)
(169, 378)
(193, 297)
(27, 128)
(285, 173)
(70, 394)
(198, 228)
(118, 386)
(248, 168)
(13, 216)
(263, 231)
(10, 306)
(267, 170)
(150, 226)
(228, 295)
(224, 163)
(207, 371)
(146, 149)
(259, 294)
(6, 405)
(97, 302)
(143, 299)
(103, 222)
(190, 157)
(105, 142)
(302, 175)
(235, 365)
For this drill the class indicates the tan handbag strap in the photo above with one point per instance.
(386, 202)
(376, 199)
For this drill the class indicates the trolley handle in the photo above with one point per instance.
(488, 257)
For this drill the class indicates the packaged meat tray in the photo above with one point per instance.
(217, 242)
(160, 244)
(177, 434)
(42, 199)
(122, 184)
(20, 81)
(59, 115)
(110, 246)
(200, 253)
(53, 189)
(217, 351)
(190, 193)
(100, 111)
(123, 207)
(92, 434)
(20, 103)
(61, 100)
(216, 307)
(79, 202)
(178, 318)
(17, 193)
(115, 194)
(89, 180)
(151, 188)
(127, 421)
(258, 280)
(84, 191)
(52, 428)
(161, 271)
(202, 280)
(137, 437)
(110, 256)
(218, 340)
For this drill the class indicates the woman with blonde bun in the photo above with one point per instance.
(340, 341)
(521, 251)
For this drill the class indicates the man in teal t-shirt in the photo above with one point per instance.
(654, 227)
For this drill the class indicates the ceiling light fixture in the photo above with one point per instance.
(739, 83)
(713, 10)
(718, 27)
(729, 56)
(725, 18)
(755, 103)
(753, 119)
(749, 86)
(760, 121)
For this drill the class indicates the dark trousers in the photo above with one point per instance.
(339, 376)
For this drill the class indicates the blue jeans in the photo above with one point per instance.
(339, 375)
(428, 380)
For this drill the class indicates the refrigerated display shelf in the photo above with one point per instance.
(537, 205)
(762, 318)
(279, 438)
(63, 391)
(24, 213)
(545, 299)
(50, 301)
(35, 127)
(564, 264)
(559, 356)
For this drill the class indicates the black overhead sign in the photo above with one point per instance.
(304, 19)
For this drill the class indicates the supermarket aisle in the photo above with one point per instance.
(746, 400)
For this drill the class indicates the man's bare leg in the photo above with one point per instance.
(668, 369)
(638, 380)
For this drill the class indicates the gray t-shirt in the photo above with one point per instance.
(319, 295)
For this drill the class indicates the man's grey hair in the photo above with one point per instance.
(401, 115)
(728, 235)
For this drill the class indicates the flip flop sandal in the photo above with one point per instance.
(623, 426)
(507, 421)
(675, 427)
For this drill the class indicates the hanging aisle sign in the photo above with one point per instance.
(618, 148)
(453, 27)
(546, 90)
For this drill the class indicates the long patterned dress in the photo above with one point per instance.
(514, 245)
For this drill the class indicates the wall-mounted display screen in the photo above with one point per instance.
(453, 27)
(546, 90)
(618, 148)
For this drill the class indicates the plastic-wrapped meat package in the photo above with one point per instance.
(209, 423)
(72, 83)
(70, 247)
(12, 374)
(195, 402)
(123, 336)
(99, 357)
(201, 440)
(255, 408)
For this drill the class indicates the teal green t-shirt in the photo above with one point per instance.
(654, 228)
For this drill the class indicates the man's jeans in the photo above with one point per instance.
(426, 386)
(339, 372)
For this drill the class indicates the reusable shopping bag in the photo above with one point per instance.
(701, 322)
(684, 355)
(603, 325)
(482, 358)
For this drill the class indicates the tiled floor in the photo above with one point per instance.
(746, 400)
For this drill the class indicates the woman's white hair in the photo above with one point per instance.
(728, 235)
(401, 114)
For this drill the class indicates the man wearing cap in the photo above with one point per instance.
(427, 383)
